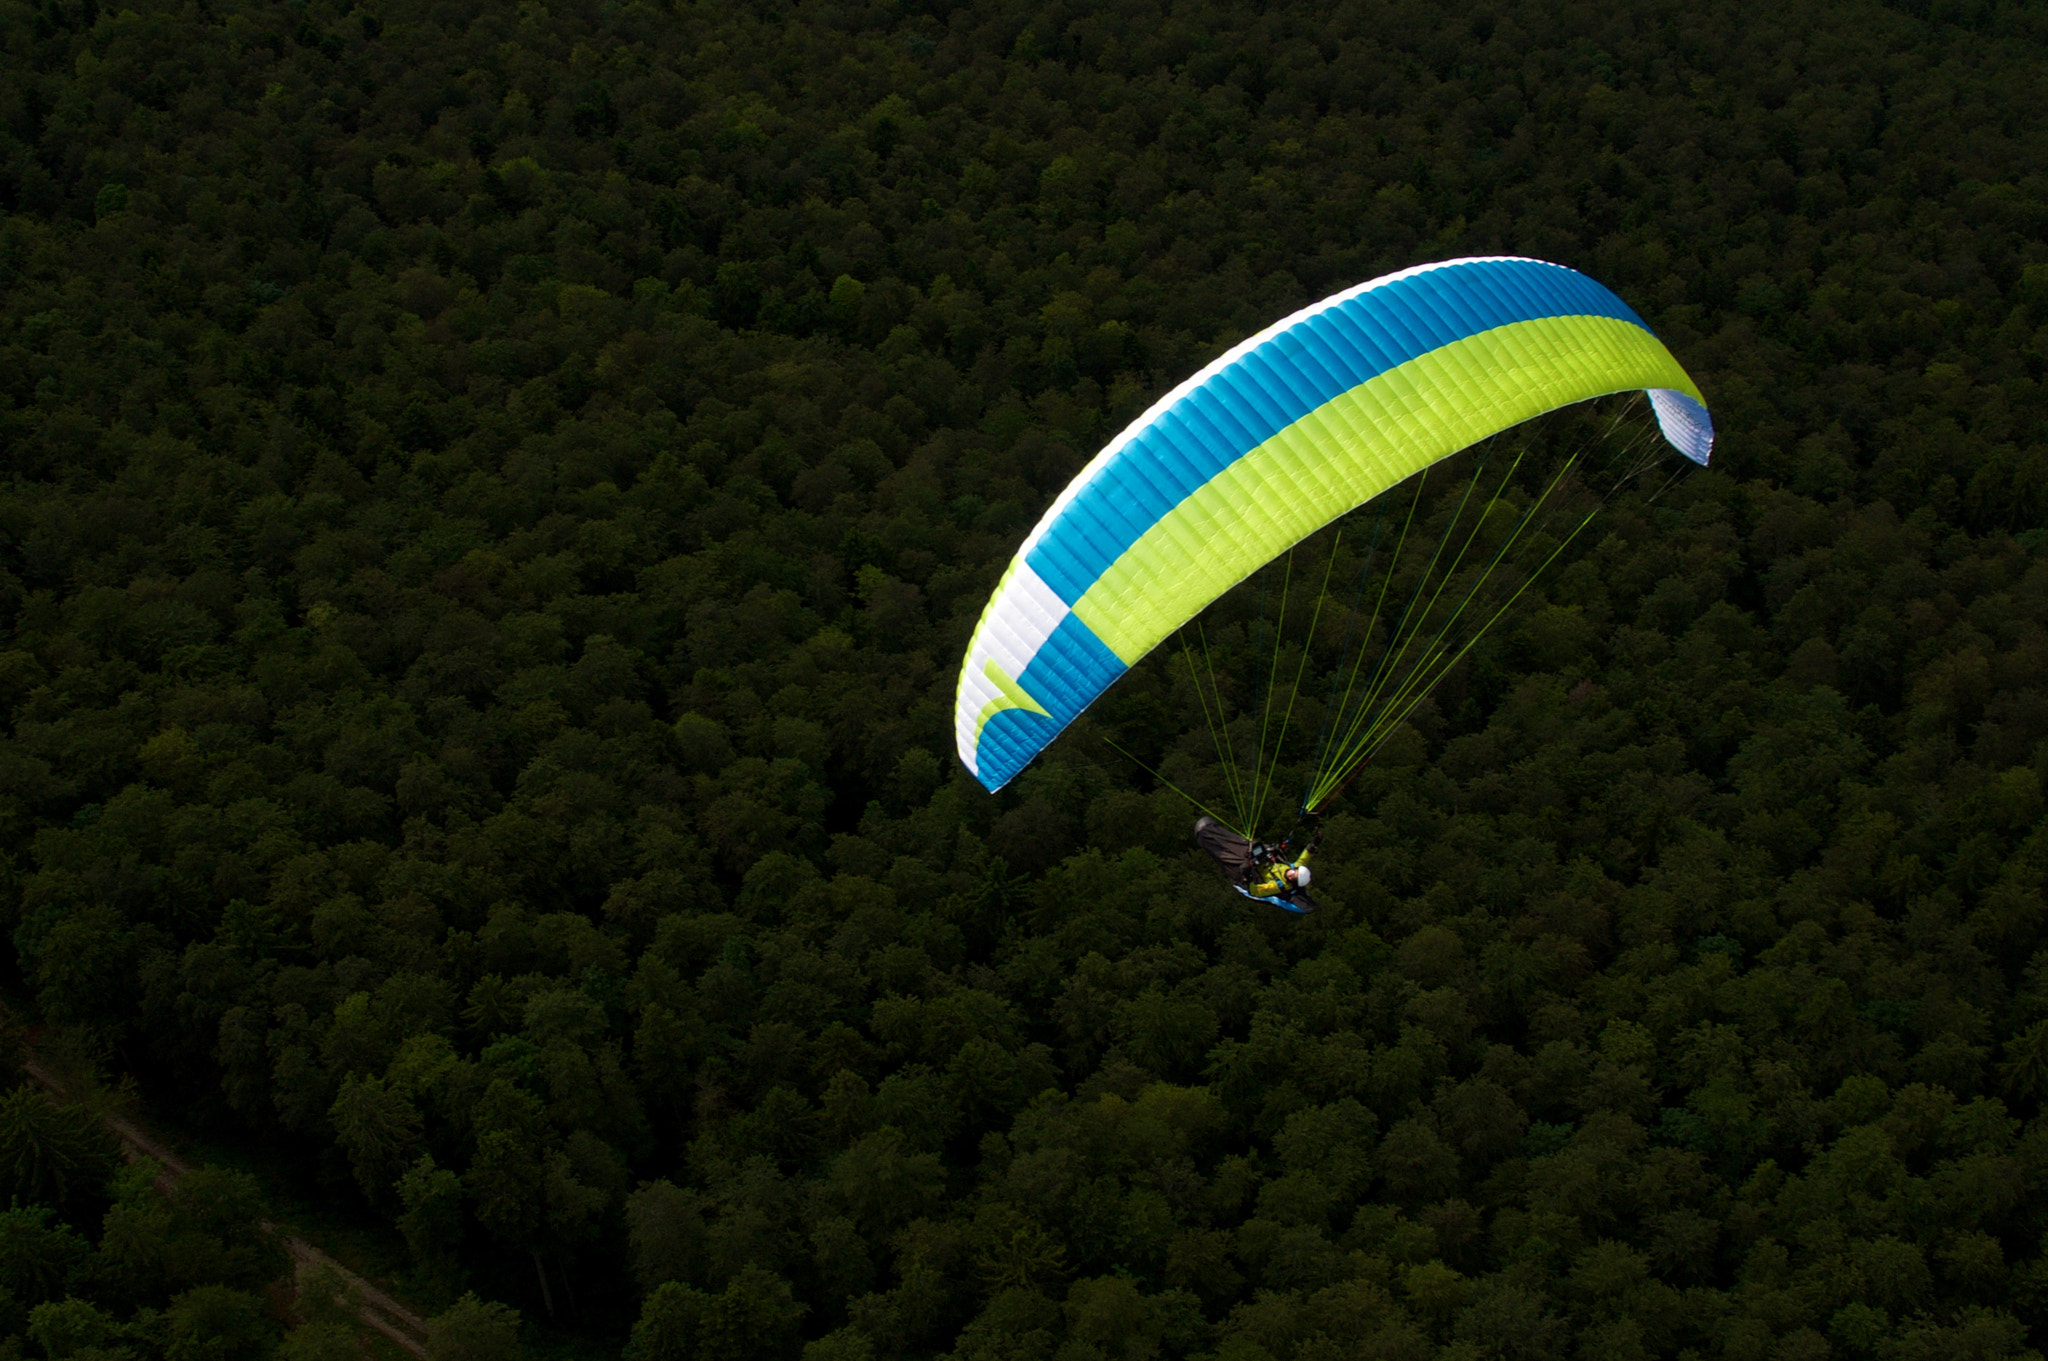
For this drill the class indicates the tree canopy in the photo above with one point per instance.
(495, 499)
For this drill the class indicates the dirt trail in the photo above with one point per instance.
(374, 1308)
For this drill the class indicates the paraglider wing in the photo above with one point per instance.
(1307, 420)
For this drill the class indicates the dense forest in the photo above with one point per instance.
(495, 497)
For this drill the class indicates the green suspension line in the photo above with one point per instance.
(1424, 645)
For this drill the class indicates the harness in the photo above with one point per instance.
(1271, 860)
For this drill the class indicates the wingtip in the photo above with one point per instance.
(1687, 425)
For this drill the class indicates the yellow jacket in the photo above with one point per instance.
(1272, 883)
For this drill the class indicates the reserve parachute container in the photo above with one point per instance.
(1304, 422)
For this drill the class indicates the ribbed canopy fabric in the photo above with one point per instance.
(1307, 420)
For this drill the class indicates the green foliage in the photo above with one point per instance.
(319, 1342)
(378, 1128)
(206, 1231)
(37, 1255)
(667, 1235)
(217, 1323)
(51, 1154)
(495, 499)
(753, 1319)
(474, 1330)
(432, 1222)
(176, 1273)
(71, 1327)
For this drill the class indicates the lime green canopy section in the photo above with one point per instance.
(1306, 421)
(1351, 449)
